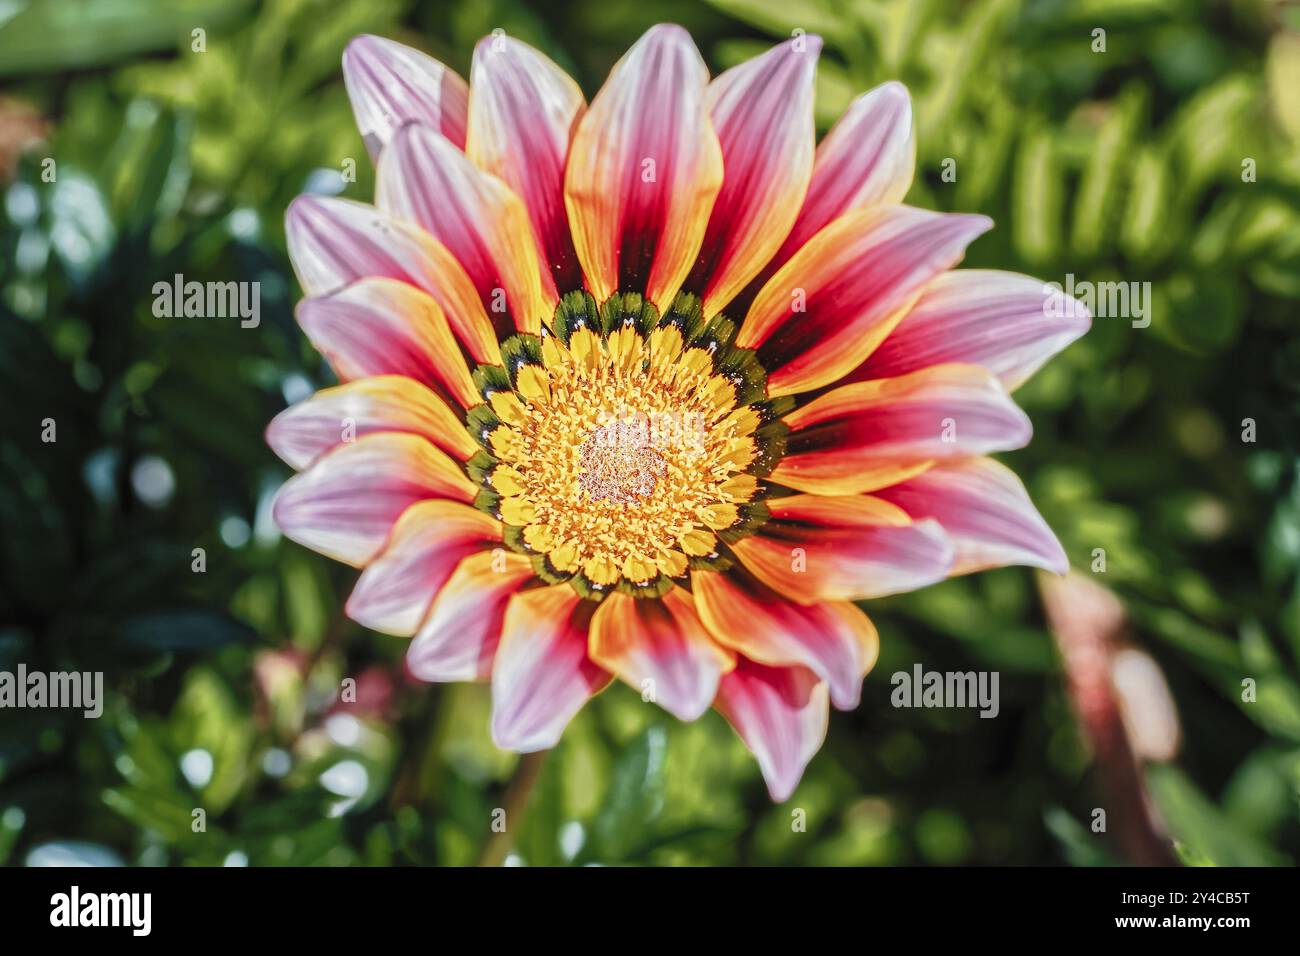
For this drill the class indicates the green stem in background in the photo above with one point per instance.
(518, 792)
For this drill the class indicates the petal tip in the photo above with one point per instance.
(517, 741)
(806, 43)
(498, 42)
(1058, 304)
(975, 224)
(847, 696)
(276, 439)
(359, 46)
(281, 509)
(891, 101)
(1053, 556)
(668, 31)
(942, 540)
(689, 714)
(780, 790)
(299, 208)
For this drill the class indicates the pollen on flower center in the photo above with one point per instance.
(620, 462)
(617, 449)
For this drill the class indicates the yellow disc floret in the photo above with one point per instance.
(620, 455)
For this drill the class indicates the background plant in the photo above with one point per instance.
(225, 684)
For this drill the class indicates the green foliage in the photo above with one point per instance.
(225, 684)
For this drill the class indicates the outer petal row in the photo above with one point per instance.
(345, 505)
(521, 115)
(391, 84)
(334, 242)
(839, 296)
(663, 643)
(544, 650)
(833, 639)
(459, 637)
(781, 713)
(542, 675)
(865, 160)
(426, 180)
(425, 546)
(386, 403)
(763, 112)
(644, 170)
(844, 549)
(874, 434)
(385, 327)
(1007, 323)
(986, 512)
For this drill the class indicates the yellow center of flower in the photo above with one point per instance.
(622, 455)
(621, 463)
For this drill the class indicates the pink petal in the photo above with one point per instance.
(425, 180)
(391, 84)
(763, 112)
(843, 292)
(869, 435)
(844, 549)
(987, 513)
(644, 169)
(386, 327)
(660, 646)
(542, 676)
(334, 242)
(459, 637)
(425, 546)
(781, 714)
(865, 160)
(1010, 324)
(832, 638)
(520, 119)
(388, 403)
(347, 502)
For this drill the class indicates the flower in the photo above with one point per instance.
(654, 388)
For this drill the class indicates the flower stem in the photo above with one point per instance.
(518, 792)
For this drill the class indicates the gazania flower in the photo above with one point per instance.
(654, 388)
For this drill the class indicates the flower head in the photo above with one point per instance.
(655, 388)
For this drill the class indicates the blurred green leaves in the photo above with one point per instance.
(37, 36)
